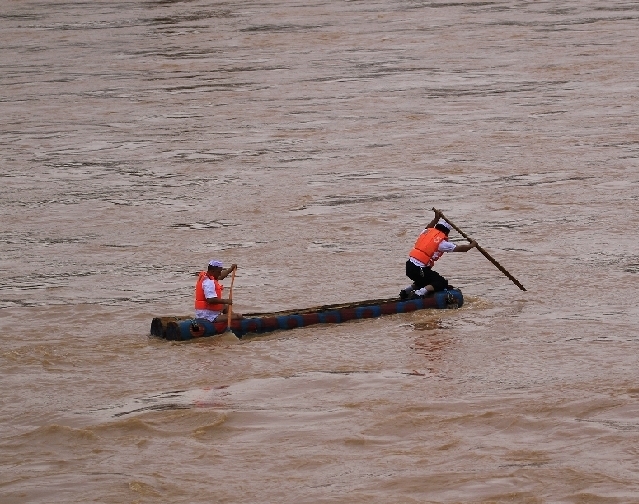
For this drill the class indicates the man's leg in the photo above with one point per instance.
(425, 291)
(435, 283)
(414, 273)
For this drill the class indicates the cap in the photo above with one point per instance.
(215, 264)
(445, 224)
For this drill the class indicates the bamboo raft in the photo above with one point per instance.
(176, 328)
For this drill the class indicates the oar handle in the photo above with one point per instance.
(483, 252)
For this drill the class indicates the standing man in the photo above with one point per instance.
(209, 303)
(431, 244)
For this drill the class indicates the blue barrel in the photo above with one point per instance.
(192, 328)
(451, 298)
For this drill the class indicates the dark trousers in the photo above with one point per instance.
(422, 277)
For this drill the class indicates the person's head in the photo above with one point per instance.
(443, 226)
(215, 268)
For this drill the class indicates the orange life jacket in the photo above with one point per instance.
(200, 299)
(427, 245)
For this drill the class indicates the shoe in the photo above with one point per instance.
(404, 294)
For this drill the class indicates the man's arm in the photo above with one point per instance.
(465, 248)
(217, 300)
(225, 272)
(435, 219)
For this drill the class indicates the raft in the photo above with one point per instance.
(176, 328)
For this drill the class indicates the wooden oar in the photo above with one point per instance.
(229, 314)
(485, 254)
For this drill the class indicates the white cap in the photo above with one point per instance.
(445, 224)
(215, 264)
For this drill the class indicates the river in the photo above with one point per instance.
(308, 142)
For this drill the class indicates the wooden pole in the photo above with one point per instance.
(229, 315)
(484, 253)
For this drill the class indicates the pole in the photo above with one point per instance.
(484, 253)
(229, 315)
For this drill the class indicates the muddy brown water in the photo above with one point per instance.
(307, 142)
